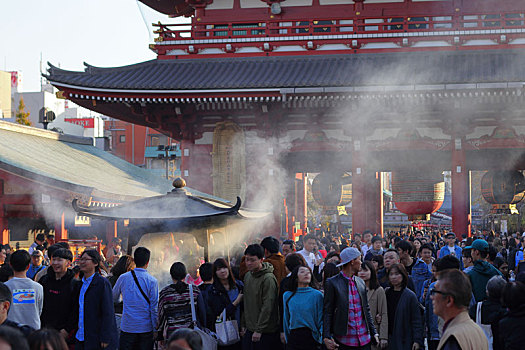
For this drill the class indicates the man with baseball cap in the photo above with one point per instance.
(482, 271)
(451, 248)
(347, 323)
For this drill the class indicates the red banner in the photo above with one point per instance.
(86, 123)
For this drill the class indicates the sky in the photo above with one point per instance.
(103, 33)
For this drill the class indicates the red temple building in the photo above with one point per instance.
(262, 89)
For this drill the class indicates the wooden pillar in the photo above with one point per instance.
(60, 230)
(461, 216)
(301, 205)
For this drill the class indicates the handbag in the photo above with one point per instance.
(486, 328)
(227, 330)
(208, 341)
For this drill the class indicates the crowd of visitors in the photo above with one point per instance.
(419, 290)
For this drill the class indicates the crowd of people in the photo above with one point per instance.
(416, 290)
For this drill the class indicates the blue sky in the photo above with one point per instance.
(102, 33)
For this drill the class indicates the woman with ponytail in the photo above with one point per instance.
(175, 304)
(303, 312)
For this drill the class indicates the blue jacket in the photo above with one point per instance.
(431, 319)
(457, 251)
(99, 314)
(420, 273)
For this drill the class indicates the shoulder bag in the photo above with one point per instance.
(208, 341)
(140, 288)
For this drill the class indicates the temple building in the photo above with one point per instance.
(260, 92)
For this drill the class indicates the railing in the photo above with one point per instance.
(433, 25)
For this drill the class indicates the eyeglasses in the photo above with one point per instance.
(435, 291)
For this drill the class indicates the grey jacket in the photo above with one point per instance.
(335, 318)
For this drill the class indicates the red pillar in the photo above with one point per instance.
(60, 230)
(460, 191)
(374, 202)
(300, 200)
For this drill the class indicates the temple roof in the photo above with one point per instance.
(73, 164)
(308, 71)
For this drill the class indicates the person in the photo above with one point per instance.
(206, 274)
(466, 257)
(12, 339)
(174, 310)
(114, 252)
(39, 241)
(288, 247)
(390, 258)
(451, 248)
(490, 312)
(48, 339)
(332, 257)
(421, 270)
(376, 249)
(405, 248)
(377, 302)
(123, 265)
(309, 251)
(261, 317)
(303, 312)
(367, 242)
(450, 299)
(36, 265)
(28, 296)
(431, 321)
(482, 270)
(347, 322)
(405, 325)
(3, 254)
(58, 285)
(225, 294)
(140, 295)
(6, 273)
(512, 335)
(6, 300)
(94, 306)
(291, 262)
(185, 338)
(50, 252)
(271, 254)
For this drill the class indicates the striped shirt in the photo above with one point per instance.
(175, 309)
(357, 334)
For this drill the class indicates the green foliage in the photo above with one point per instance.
(22, 117)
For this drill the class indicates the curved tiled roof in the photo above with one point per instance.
(410, 68)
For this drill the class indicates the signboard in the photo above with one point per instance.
(86, 123)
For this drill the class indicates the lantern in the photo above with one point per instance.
(332, 190)
(503, 189)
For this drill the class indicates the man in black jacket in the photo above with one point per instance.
(58, 284)
(347, 323)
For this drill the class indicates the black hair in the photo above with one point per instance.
(52, 249)
(372, 284)
(40, 237)
(63, 253)
(255, 250)
(63, 244)
(293, 260)
(405, 246)
(141, 256)
(6, 272)
(219, 264)
(309, 236)
(329, 270)
(47, 338)
(427, 246)
(40, 247)
(294, 281)
(206, 272)
(5, 293)
(95, 256)
(493, 252)
(14, 338)
(191, 337)
(271, 244)
(447, 262)
(290, 243)
(331, 255)
(379, 259)
(402, 271)
(391, 250)
(178, 271)
(376, 238)
(20, 260)
(513, 295)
